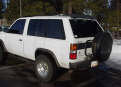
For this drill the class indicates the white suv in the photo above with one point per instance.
(56, 42)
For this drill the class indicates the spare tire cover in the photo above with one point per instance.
(102, 46)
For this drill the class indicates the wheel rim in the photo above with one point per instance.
(42, 69)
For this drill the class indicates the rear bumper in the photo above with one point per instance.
(81, 65)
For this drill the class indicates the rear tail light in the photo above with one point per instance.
(73, 56)
(73, 51)
(73, 47)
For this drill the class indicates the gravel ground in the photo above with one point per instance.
(16, 73)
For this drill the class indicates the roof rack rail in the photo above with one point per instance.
(78, 16)
(72, 15)
(82, 16)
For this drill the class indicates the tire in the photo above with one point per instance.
(47, 71)
(102, 46)
(3, 55)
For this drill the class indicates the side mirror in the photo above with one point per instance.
(5, 30)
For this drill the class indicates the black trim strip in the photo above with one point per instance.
(83, 45)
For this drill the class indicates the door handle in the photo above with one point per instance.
(20, 40)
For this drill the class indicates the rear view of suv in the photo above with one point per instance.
(58, 42)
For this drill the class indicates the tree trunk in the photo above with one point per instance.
(70, 7)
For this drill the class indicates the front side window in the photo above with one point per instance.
(84, 28)
(17, 27)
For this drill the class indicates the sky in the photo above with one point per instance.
(5, 1)
(109, 3)
(4, 4)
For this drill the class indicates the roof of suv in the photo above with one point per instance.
(59, 17)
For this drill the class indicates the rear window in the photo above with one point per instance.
(84, 28)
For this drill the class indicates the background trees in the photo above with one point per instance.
(29, 8)
(0, 10)
(108, 17)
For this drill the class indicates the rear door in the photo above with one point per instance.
(84, 30)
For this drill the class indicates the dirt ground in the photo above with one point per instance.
(17, 73)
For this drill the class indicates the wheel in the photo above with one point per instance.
(45, 69)
(102, 46)
(3, 55)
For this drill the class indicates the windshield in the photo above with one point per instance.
(84, 28)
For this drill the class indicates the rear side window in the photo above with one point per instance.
(51, 28)
(55, 29)
(36, 28)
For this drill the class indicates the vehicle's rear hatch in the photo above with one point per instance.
(83, 31)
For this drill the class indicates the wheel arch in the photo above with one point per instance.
(47, 52)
